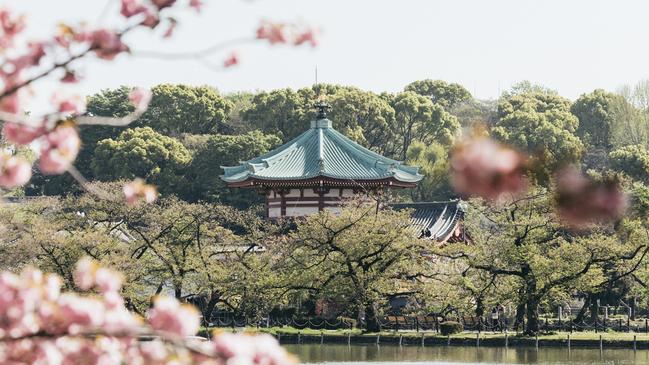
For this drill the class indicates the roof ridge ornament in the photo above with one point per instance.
(322, 108)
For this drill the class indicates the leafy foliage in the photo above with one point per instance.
(142, 152)
(541, 125)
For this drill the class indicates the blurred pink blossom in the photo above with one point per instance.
(232, 60)
(170, 316)
(307, 36)
(138, 190)
(196, 4)
(140, 98)
(107, 43)
(11, 25)
(70, 77)
(14, 171)
(20, 133)
(582, 201)
(482, 167)
(273, 32)
(59, 150)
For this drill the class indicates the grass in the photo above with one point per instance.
(558, 336)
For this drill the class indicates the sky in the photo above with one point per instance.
(572, 46)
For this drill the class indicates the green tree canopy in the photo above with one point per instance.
(210, 152)
(417, 118)
(440, 92)
(433, 163)
(541, 125)
(145, 153)
(522, 245)
(361, 254)
(632, 160)
(597, 113)
(176, 109)
(284, 112)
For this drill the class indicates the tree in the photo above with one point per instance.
(632, 160)
(362, 254)
(597, 117)
(528, 87)
(219, 150)
(176, 109)
(440, 92)
(541, 125)
(283, 112)
(417, 118)
(363, 116)
(142, 152)
(433, 163)
(522, 241)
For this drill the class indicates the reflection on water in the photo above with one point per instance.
(386, 354)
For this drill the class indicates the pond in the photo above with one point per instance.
(333, 354)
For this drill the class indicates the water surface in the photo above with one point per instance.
(333, 354)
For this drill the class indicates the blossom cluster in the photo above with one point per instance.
(56, 132)
(40, 324)
(482, 167)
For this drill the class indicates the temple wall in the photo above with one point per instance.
(303, 202)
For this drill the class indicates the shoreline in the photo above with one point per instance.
(608, 340)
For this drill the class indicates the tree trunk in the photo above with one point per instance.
(479, 307)
(582, 311)
(209, 307)
(520, 315)
(532, 315)
(371, 319)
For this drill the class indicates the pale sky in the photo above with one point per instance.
(573, 46)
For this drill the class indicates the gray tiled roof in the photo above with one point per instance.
(321, 151)
(433, 220)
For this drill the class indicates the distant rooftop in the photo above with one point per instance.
(321, 152)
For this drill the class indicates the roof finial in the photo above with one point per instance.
(322, 107)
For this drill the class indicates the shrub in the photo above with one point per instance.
(450, 327)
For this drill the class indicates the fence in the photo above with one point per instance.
(431, 323)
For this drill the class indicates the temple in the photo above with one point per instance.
(320, 168)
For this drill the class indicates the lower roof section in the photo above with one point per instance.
(439, 221)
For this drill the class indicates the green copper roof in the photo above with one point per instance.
(321, 151)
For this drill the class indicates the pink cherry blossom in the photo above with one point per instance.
(70, 77)
(69, 104)
(132, 7)
(173, 318)
(273, 32)
(140, 98)
(307, 36)
(171, 28)
(84, 273)
(20, 133)
(107, 44)
(14, 171)
(77, 313)
(137, 190)
(10, 103)
(108, 280)
(482, 167)
(196, 4)
(10, 25)
(582, 202)
(232, 60)
(59, 150)
(163, 3)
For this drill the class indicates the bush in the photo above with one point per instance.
(450, 327)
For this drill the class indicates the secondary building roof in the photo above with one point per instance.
(439, 221)
(321, 154)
